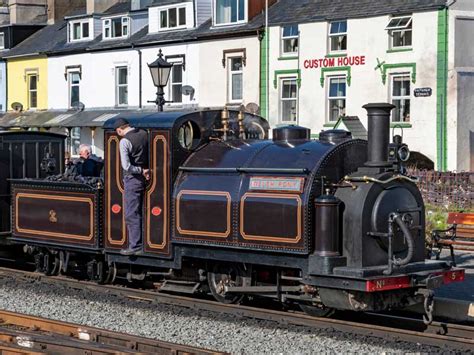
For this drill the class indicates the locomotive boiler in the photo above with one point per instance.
(332, 223)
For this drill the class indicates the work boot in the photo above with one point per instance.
(131, 251)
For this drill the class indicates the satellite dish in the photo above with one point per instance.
(188, 90)
(16, 106)
(252, 108)
(79, 106)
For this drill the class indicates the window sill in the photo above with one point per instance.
(397, 50)
(288, 58)
(335, 55)
(400, 124)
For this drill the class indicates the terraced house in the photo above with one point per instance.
(97, 61)
(313, 63)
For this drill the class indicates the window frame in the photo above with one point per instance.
(81, 24)
(167, 10)
(392, 97)
(408, 27)
(70, 73)
(281, 99)
(338, 34)
(330, 98)
(107, 24)
(285, 38)
(171, 83)
(214, 14)
(28, 82)
(118, 85)
(230, 76)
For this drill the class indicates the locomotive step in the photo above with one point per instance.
(188, 287)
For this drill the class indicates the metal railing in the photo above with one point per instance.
(449, 190)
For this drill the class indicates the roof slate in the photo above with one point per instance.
(303, 11)
(53, 38)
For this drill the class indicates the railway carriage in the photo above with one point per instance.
(328, 224)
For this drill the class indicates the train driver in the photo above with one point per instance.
(134, 161)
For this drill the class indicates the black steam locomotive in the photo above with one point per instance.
(332, 223)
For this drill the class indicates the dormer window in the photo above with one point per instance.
(174, 17)
(227, 12)
(116, 27)
(79, 30)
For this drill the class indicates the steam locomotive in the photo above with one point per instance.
(332, 223)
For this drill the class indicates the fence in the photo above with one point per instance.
(451, 191)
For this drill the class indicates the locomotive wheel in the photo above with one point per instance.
(111, 274)
(225, 275)
(51, 264)
(317, 310)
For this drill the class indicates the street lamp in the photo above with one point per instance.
(160, 71)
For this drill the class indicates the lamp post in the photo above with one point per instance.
(160, 71)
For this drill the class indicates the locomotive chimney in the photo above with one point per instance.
(378, 134)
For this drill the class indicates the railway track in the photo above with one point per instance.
(20, 333)
(413, 330)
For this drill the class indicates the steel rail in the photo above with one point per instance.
(20, 331)
(460, 337)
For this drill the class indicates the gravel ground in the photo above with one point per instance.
(185, 326)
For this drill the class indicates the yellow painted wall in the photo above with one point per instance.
(18, 69)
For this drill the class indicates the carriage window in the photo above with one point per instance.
(189, 135)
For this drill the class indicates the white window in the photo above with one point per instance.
(400, 97)
(338, 36)
(121, 86)
(176, 83)
(228, 12)
(2, 40)
(75, 140)
(172, 18)
(235, 79)
(74, 79)
(116, 27)
(79, 30)
(289, 39)
(400, 31)
(288, 99)
(336, 98)
(32, 80)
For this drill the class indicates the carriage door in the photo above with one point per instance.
(115, 230)
(157, 196)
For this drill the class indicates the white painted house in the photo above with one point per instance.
(102, 66)
(328, 61)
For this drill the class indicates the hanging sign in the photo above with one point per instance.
(423, 92)
(335, 62)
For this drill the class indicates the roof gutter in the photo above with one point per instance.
(22, 55)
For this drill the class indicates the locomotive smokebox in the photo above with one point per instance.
(378, 134)
(327, 234)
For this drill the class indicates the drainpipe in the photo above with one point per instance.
(267, 60)
(140, 79)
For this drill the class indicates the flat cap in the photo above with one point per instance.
(119, 122)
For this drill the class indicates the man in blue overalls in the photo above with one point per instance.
(134, 161)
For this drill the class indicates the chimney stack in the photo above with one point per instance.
(99, 6)
(32, 12)
(58, 9)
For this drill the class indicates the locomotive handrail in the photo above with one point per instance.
(245, 170)
(383, 182)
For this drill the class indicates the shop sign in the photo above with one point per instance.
(334, 62)
(423, 92)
